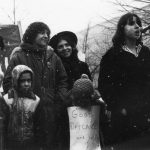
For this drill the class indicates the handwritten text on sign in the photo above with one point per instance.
(84, 128)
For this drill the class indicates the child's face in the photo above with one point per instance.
(25, 82)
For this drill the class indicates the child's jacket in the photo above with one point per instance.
(19, 111)
(20, 126)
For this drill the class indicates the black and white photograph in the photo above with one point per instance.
(74, 74)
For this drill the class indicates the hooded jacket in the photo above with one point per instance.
(19, 110)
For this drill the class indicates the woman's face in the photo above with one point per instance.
(64, 49)
(41, 39)
(132, 30)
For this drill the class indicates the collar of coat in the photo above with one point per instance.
(40, 51)
(138, 49)
(32, 48)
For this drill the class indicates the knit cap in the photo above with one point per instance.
(82, 90)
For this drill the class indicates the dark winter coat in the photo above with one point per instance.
(50, 84)
(124, 83)
(50, 75)
(75, 68)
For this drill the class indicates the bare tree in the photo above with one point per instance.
(143, 12)
(94, 46)
(85, 41)
(96, 42)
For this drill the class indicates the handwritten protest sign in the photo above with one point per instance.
(84, 128)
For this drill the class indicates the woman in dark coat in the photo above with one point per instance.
(50, 82)
(124, 81)
(64, 45)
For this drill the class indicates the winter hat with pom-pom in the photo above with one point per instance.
(82, 91)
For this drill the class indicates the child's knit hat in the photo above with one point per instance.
(82, 90)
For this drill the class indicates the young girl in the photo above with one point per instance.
(18, 107)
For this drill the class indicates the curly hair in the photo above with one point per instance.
(119, 37)
(32, 31)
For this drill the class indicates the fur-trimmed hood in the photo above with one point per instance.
(16, 73)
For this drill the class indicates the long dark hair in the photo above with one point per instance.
(32, 31)
(119, 37)
(74, 55)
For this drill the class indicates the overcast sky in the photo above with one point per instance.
(60, 15)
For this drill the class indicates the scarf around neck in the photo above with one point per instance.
(32, 48)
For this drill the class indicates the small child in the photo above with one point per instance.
(19, 107)
(85, 98)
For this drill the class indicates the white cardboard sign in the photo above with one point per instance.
(84, 128)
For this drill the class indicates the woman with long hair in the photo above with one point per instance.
(64, 45)
(124, 81)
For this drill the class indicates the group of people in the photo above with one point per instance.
(42, 72)
(36, 84)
